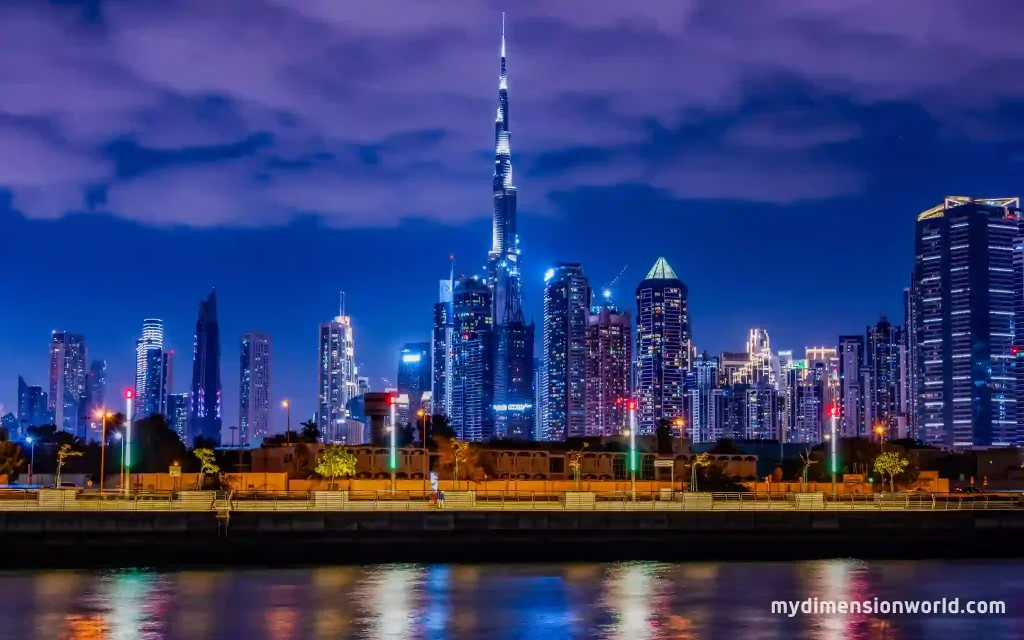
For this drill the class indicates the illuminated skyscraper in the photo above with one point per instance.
(156, 384)
(96, 386)
(204, 415)
(414, 373)
(851, 386)
(965, 318)
(152, 339)
(663, 347)
(883, 359)
(441, 348)
(472, 408)
(177, 414)
(254, 388)
(33, 409)
(337, 382)
(608, 371)
(700, 424)
(68, 375)
(566, 312)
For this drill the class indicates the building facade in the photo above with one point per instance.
(414, 379)
(67, 399)
(608, 372)
(472, 409)
(147, 383)
(254, 389)
(441, 348)
(33, 407)
(700, 425)
(884, 359)
(965, 318)
(204, 417)
(177, 414)
(337, 381)
(663, 345)
(566, 313)
(851, 386)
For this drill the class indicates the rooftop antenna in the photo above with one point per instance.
(341, 306)
(608, 289)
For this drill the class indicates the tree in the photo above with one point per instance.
(206, 465)
(701, 460)
(335, 460)
(460, 454)
(310, 432)
(576, 463)
(891, 464)
(63, 454)
(11, 460)
(664, 435)
(301, 467)
(155, 446)
(808, 459)
(439, 427)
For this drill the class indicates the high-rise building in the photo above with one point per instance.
(254, 389)
(337, 380)
(177, 414)
(566, 311)
(68, 376)
(909, 373)
(414, 378)
(156, 385)
(441, 348)
(204, 417)
(362, 385)
(514, 409)
(965, 318)
(883, 359)
(608, 373)
(472, 410)
(703, 380)
(540, 408)
(851, 387)
(33, 409)
(503, 269)
(152, 339)
(663, 346)
(96, 386)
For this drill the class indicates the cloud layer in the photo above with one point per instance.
(249, 112)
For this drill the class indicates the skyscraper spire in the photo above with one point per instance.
(503, 267)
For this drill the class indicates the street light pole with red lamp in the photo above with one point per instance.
(129, 399)
(426, 456)
(393, 457)
(833, 412)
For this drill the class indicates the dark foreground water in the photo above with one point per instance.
(632, 600)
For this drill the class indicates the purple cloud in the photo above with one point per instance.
(322, 77)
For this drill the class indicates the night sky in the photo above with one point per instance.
(281, 151)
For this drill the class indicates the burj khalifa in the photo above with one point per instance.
(513, 358)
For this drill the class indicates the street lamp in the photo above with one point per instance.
(288, 425)
(880, 430)
(833, 412)
(631, 406)
(121, 438)
(103, 415)
(426, 456)
(32, 457)
(129, 398)
(393, 457)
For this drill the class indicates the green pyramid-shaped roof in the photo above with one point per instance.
(661, 271)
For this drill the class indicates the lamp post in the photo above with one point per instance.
(129, 398)
(288, 424)
(833, 412)
(631, 406)
(393, 456)
(32, 457)
(122, 482)
(426, 456)
(103, 414)
(880, 430)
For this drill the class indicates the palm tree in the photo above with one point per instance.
(310, 432)
(11, 460)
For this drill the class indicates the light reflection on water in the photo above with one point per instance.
(633, 600)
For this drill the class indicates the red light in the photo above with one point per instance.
(833, 411)
(618, 400)
(129, 394)
(631, 405)
(392, 399)
(1014, 350)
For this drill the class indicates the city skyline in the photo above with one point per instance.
(562, 216)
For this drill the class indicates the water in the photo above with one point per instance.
(634, 600)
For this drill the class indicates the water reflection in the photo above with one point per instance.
(635, 601)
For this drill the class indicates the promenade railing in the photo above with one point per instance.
(92, 500)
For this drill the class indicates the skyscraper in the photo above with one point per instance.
(177, 414)
(204, 417)
(156, 383)
(503, 277)
(152, 339)
(883, 359)
(441, 348)
(67, 383)
(851, 387)
(965, 318)
(414, 376)
(663, 347)
(608, 370)
(566, 312)
(513, 379)
(33, 409)
(472, 410)
(254, 388)
(336, 383)
(700, 424)
(96, 386)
